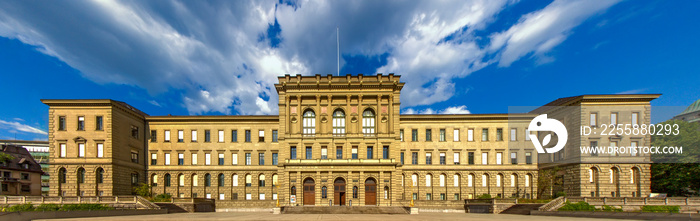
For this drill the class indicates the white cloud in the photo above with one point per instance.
(450, 110)
(16, 126)
(634, 91)
(154, 103)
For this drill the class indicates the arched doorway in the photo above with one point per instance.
(370, 192)
(339, 192)
(309, 192)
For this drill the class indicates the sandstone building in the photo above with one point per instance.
(336, 141)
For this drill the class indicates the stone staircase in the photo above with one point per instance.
(345, 210)
(521, 209)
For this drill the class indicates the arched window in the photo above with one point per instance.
(248, 180)
(499, 179)
(470, 180)
(167, 179)
(221, 179)
(456, 180)
(235, 179)
(181, 180)
(354, 192)
(442, 179)
(368, 122)
(294, 191)
(154, 179)
(274, 180)
(207, 179)
(513, 180)
(386, 192)
(62, 175)
(195, 180)
(484, 180)
(428, 178)
(100, 175)
(403, 177)
(324, 192)
(261, 180)
(309, 123)
(338, 122)
(632, 175)
(81, 175)
(414, 179)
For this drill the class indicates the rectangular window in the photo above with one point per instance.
(181, 136)
(261, 136)
(98, 123)
(154, 159)
(414, 135)
(248, 196)
(593, 145)
(247, 135)
(166, 136)
(402, 157)
(221, 159)
(442, 135)
(324, 153)
(470, 158)
(207, 136)
(194, 158)
(194, 136)
(527, 134)
(443, 159)
(613, 119)
(428, 135)
(274, 135)
(354, 152)
(62, 148)
(456, 158)
(309, 153)
(339, 152)
(499, 134)
(370, 152)
(484, 134)
(401, 134)
(180, 159)
(261, 159)
(385, 152)
(293, 153)
(221, 196)
(61, 123)
(428, 196)
(100, 150)
(234, 159)
(167, 159)
(634, 150)
(134, 132)
(528, 158)
(484, 158)
(470, 135)
(154, 135)
(221, 136)
(81, 150)
(81, 123)
(594, 119)
(134, 157)
(428, 158)
(499, 158)
(456, 135)
(234, 136)
(234, 196)
(513, 134)
(247, 159)
(635, 118)
(513, 158)
(274, 158)
(414, 158)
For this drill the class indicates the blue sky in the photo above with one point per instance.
(214, 58)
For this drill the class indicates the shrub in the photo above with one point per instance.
(560, 193)
(661, 209)
(523, 200)
(143, 190)
(607, 208)
(48, 207)
(21, 208)
(85, 206)
(162, 198)
(484, 196)
(580, 206)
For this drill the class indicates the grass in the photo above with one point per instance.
(27, 207)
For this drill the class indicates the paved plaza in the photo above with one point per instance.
(268, 216)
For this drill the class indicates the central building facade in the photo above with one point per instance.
(336, 141)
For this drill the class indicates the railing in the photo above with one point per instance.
(554, 204)
(77, 200)
(340, 161)
(491, 201)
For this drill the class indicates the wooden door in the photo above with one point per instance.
(370, 192)
(339, 192)
(309, 192)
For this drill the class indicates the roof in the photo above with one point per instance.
(576, 100)
(695, 106)
(20, 156)
(92, 102)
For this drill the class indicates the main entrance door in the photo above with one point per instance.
(370, 192)
(339, 192)
(309, 192)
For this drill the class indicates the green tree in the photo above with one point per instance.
(677, 174)
(143, 190)
(546, 181)
(5, 157)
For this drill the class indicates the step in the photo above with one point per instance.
(522, 209)
(345, 210)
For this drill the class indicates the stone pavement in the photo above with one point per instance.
(383, 217)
